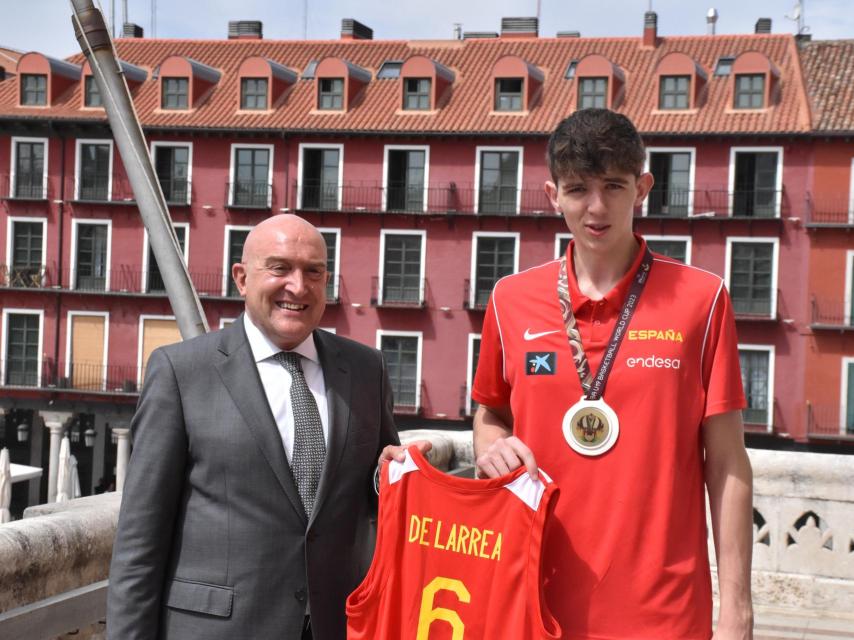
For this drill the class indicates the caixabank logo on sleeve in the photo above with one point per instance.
(540, 363)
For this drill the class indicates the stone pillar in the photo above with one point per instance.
(122, 456)
(55, 422)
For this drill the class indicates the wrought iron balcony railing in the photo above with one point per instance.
(48, 374)
(829, 421)
(829, 209)
(100, 189)
(25, 186)
(23, 277)
(832, 314)
(250, 194)
(398, 292)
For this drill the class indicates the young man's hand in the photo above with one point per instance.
(503, 456)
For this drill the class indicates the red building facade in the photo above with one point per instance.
(423, 163)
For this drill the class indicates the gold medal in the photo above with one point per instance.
(591, 427)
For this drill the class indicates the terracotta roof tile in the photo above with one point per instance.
(829, 70)
(468, 109)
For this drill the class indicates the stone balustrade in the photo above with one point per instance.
(803, 535)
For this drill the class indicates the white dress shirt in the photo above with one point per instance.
(277, 381)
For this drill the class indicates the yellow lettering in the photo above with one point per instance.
(462, 539)
(425, 530)
(451, 542)
(436, 542)
(678, 336)
(496, 550)
(633, 334)
(428, 615)
(476, 536)
(483, 543)
(670, 335)
(414, 527)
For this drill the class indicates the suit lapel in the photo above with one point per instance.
(240, 377)
(336, 376)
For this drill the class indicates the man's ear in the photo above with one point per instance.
(551, 193)
(644, 186)
(238, 274)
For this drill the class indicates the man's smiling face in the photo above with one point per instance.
(283, 278)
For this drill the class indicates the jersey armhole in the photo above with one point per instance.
(372, 585)
(539, 609)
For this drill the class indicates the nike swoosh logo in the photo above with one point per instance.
(533, 336)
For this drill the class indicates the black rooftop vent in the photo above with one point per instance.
(245, 29)
(471, 35)
(568, 34)
(131, 30)
(356, 30)
(763, 25)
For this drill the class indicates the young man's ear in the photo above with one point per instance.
(551, 193)
(644, 186)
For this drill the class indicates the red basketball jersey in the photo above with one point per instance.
(456, 559)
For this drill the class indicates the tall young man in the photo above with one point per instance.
(617, 370)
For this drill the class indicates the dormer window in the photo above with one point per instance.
(33, 90)
(724, 66)
(416, 94)
(174, 93)
(749, 91)
(91, 93)
(593, 93)
(508, 94)
(330, 96)
(673, 92)
(389, 70)
(253, 93)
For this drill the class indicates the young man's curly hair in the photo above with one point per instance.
(593, 141)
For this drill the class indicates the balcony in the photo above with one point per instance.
(250, 194)
(477, 301)
(25, 187)
(747, 204)
(407, 397)
(829, 211)
(449, 198)
(73, 377)
(18, 277)
(831, 315)
(397, 294)
(100, 190)
(827, 422)
(176, 192)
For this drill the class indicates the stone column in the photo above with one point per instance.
(55, 422)
(122, 456)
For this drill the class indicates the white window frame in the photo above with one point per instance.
(232, 163)
(75, 224)
(320, 145)
(521, 170)
(14, 165)
(849, 287)
(768, 348)
(78, 147)
(778, 187)
(334, 276)
(843, 393)
(775, 257)
(469, 376)
(164, 144)
(5, 338)
(691, 173)
(475, 237)
(10, 221)
(403, 147)
(685, 239)
(226, 242)
(141, 325)
(68, 324)
(423, 265)
(408, 334)
(146, 248)
(558, 238)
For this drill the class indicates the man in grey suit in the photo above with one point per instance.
(249, 506)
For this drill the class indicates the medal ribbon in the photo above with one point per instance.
(594, 386)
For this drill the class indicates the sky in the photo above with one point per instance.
(45, 25)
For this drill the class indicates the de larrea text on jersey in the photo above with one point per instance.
(455, 537)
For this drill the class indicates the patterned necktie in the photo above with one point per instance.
(309, 445)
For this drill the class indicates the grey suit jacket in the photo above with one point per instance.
(212, 541)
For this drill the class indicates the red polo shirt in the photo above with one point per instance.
(627, 557)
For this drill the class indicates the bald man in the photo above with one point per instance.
(249, 510)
